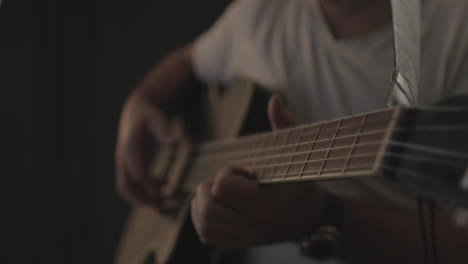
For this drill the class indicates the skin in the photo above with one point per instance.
(354, 18)
(232, 210)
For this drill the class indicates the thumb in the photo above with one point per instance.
(279, 116)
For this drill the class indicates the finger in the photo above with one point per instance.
(278, 115)
(159, 127)
(213, 212)
(233, 188)
(153, 189)
(194, 214)
(120, 179)
(135, 160)
(210, 217)
(128, 190)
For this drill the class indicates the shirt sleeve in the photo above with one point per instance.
(213, 50)
(242, 44)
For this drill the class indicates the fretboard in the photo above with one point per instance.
(343, 148)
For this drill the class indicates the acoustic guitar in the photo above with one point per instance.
(424, 148)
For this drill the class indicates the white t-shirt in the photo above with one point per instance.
(287, 43)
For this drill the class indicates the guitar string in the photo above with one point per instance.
(213, 169)
(282, 147)
(192, 181)
(216, 158)
(417, 147)
(222, 145)
(218, 148)
(414, 146)
(245, 152)
(376, 117)
(322, 162)
(450, 153)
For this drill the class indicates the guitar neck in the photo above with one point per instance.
(343, 148)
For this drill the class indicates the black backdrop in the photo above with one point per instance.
(65, 69)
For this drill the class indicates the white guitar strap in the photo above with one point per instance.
(405, 83)
(407, 46)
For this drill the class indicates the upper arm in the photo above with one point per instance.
(212, 52)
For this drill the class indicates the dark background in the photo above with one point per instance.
(65, 69)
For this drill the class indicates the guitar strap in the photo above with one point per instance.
(404, 86)
(405, 82)
(407, 46)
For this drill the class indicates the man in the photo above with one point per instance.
(335, 57)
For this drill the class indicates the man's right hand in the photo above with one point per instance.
(141, 123)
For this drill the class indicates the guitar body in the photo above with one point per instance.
(169, 237)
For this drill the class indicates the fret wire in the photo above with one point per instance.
(310, 161)
(290, 174)
(223, 145)
(295, 149)
(281, 152)
(353, 147)
(242, 152)
(413, 157)
(311, 148)
(222, 142)
(302, 152)
(332, 141)
(264, 139)
(254, 147)
(276, 176)
(256, 153)
(363, 167)
(463, 157)
(192, 184)
(460, 164)
(387, 137)
(301, 162)
(274, 138)
(318, 171)
(193, 181)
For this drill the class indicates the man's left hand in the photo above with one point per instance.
(234, 211)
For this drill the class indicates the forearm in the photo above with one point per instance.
(168, 82)
(375, 234)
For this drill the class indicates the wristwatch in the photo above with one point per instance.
(324, 241)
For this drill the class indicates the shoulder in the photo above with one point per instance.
(444, 46)
(258, 13)
(451, 15)
(444, 26)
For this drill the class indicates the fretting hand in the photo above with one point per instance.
(233, 211)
